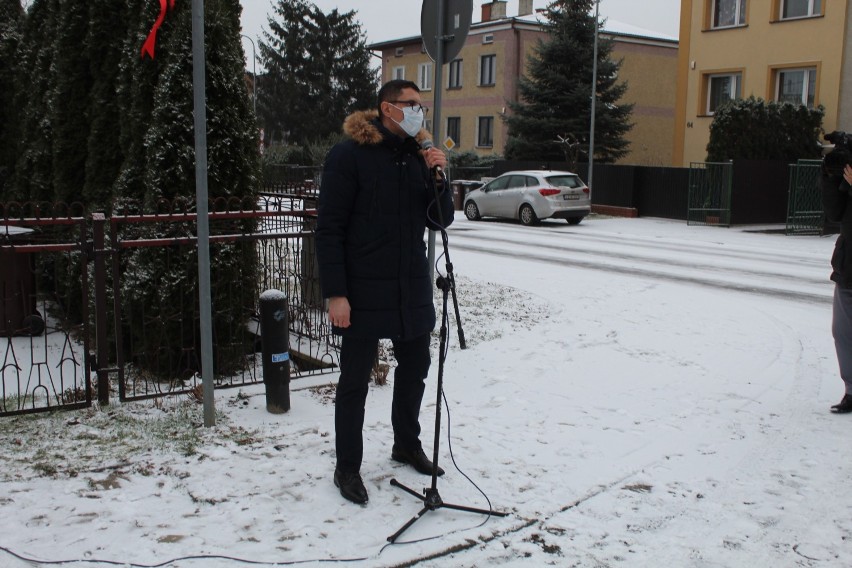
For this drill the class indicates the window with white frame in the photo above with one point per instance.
(722, 88)
(398, 72)
(485, 132)
(487, 70)
(424, 76)
(797, 86)
(800, 8)
(454, 128)
(728, 13)
(455, 78)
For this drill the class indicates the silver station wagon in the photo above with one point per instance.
(529, 196)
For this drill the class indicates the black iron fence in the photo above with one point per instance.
(805, 215)
(758, 189)
(126, 286)
(44, 312)
(710, 193)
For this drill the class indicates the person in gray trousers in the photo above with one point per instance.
(837, 203)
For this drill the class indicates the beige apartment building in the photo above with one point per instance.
(483, 79)
(782, 50)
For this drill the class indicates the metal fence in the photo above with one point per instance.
(44, 286)
(805, 215)
(710, 193)
(127, 285)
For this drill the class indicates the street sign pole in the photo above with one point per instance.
(436, 111)
(444, 26)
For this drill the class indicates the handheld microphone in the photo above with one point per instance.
(425, 145)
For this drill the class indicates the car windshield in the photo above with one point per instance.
(564, 181)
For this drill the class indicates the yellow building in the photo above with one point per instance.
(483, 78)
(781, 50)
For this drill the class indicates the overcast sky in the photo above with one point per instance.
(391, 19)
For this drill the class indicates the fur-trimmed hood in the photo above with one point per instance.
(361, 128)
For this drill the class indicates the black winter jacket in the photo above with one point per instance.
(838, 209)
(373, 203)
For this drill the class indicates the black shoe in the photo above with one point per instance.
(844, 406)
(416, 458)
(351, 486)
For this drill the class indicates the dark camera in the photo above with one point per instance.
(841, 156)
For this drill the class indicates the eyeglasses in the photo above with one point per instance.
(413, 104)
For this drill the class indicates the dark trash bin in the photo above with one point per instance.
(461, 187)
(18, 314)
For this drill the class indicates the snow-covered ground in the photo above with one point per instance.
(635, 392)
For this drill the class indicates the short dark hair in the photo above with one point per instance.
(391, 90)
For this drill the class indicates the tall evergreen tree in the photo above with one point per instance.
(11, 22)
(36, 79)
(137, 79)
(555, 95)
(107, 31)
(69, 101)
(161, 283)
(317, 72)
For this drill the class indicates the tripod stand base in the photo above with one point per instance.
(431, 502)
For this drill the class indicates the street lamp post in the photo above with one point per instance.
(253, 73)
(594, 97)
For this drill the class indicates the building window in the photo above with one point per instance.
(424, 76)
(727, 13)
(398, 72)
(722, 88)
(797, 86)
(454, 128)
(485, 132)
(487, 69)
(800, 8)
(455, 79)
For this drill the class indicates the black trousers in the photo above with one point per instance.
(357, 356)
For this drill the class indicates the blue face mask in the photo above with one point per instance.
(412, 120)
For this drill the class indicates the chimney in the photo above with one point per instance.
(525, 8)
(498, 12)
(494, 10)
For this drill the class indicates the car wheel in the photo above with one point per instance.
(527, 215)
(471, 211)
(574, 220)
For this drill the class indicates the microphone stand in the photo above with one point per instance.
(431, 498)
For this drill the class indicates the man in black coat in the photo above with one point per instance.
(837, 203)
(376, 201)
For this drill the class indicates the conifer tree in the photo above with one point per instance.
(69, 101)
(160, 283)
(34, 166)
(107, 32)
(318, 71)
(137, 79)
(555, 94)
(11, 22)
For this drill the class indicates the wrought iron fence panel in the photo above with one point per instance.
(710, 193)
(265, 244)
(44, 308)
(805, 215)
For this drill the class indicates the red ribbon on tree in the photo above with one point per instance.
(150, 42)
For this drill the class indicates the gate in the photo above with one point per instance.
(710, 193)
(44, 309)
(805, 214)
